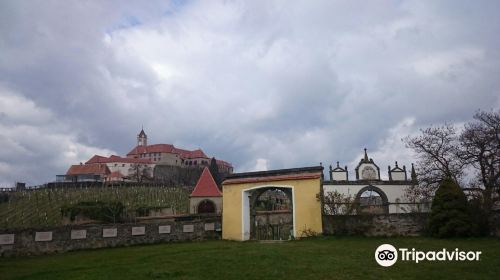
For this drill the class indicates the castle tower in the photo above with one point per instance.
(142, 139)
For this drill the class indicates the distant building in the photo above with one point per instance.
(87, 173)
(168, 154)
(124, 169)
(139, 163)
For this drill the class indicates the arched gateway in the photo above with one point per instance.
(292, 210)
(206, 207)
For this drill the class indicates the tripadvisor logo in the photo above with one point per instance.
(387, 255)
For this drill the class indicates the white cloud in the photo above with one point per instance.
(391, 149)
(34, 143)
(293, 84)
(261, 164)
(453, 60)
(19, 110)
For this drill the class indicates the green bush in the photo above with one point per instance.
(109, 211)
(479, 216)
(449, 215)
(4, 197)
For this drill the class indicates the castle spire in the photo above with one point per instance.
(413, 174)
(142, 138)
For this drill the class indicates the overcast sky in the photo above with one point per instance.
(262, 84)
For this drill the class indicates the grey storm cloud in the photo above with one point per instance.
(262, 84)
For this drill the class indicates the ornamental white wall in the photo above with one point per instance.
(366, 176)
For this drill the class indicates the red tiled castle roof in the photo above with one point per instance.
(95, 169)
(206, 185)
(167, 148)
(191, 154)
(100, 159)
(156, 148)
(222, 162)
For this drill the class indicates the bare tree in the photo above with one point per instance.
(140, 172)
(437, 151)
(336, 203)
(442, 153)
(480, 149)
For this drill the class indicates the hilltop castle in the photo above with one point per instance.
(140, 162)
(168, 154)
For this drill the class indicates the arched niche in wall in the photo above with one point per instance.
(372, 204)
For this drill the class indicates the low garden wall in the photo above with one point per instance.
(75, 237)
(409, 224)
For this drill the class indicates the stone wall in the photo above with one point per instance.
(68, 238)
(376, 225)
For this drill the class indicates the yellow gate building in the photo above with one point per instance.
(301, 185)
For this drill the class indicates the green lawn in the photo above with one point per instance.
(319, 258)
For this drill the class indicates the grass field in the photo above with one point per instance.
(42, 207)
(318, 258)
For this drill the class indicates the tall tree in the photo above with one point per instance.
(437, 152)
(480, 149)
(449, 216)
(214, 170)
(472, 153)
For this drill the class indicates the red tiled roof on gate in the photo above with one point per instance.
(206, 185)
(273, 178)
(94, 169)
(100, 159)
